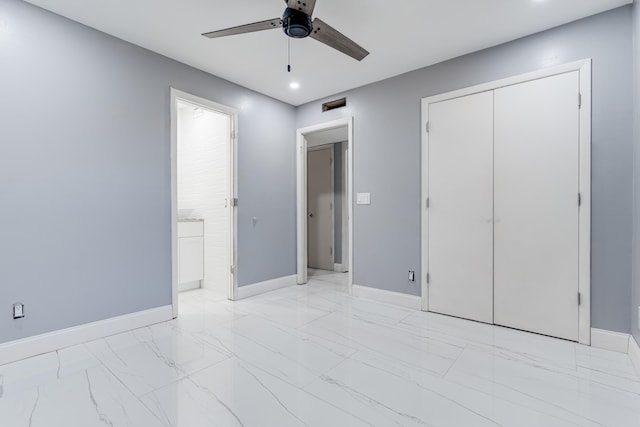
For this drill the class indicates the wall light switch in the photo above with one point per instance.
(412, 276)
(363, 198)
(18, 310)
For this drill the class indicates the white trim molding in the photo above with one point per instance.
(584, 255)
(609, 340)
(388, 297)
(266, 286)
(56, 340)
(634, 354)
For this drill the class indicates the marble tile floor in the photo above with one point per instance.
(313, 356)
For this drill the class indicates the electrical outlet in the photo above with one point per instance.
(18, 310)
(412, 276)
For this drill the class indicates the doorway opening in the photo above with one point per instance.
(203, 195)
(324, 208)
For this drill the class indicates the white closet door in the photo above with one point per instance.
(536, 206)
(460, 217)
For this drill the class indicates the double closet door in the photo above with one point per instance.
(503, 217)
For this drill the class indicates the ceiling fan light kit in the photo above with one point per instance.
(296, 22)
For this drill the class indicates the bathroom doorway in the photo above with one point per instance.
(203, 196)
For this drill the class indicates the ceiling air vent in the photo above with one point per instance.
(332, 105)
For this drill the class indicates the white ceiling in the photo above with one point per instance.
(401, 35)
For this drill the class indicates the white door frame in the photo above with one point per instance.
(232, 214)
(584, 218)
(301, 184)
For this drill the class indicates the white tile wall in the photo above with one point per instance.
(203, 184)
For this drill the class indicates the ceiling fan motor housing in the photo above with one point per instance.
(296, 24)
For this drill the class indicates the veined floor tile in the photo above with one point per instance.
(514, 380)
(528, 347)
(606, 362)
(149, 358)
(415, 349)
(356, 307)
(287, 353)
(383, 398)
(232, 393)
(88, 398)
(29, 373)
(313, 356)
(282, 310)
(340, 280)
(205, 315)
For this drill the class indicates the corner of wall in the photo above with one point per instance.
(635, 308)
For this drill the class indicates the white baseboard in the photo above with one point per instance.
(609, 340)
(52, 341)
(267, 286)
(634, 354)
(389, 297)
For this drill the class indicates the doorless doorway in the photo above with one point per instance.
(332, 137)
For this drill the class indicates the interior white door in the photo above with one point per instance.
(320, 208)
(536, 206)
(460, 214)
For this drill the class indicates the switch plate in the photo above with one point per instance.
(412, 276)
(363, 198)
(18, 310)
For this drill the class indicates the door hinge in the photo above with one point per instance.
(427, 127)
(579, 100)
(233, 134)
(331, 251)
(428, 278)
(234, 202)
(579, 298)
(579, 199)
(427, 203)
(233, 269)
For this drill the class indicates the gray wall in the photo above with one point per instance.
(635, 307)
(85, 174)
(387, 154)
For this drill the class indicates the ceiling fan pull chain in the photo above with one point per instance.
(289, 54)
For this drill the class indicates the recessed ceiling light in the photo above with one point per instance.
(294, 85)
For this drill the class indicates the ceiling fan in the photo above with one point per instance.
(296, 22)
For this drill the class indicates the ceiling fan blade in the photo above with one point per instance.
(328, 35)
(249, 28)
(305, 6)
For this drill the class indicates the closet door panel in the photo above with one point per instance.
(536, 206)
(460, 215)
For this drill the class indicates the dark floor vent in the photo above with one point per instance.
(332, 105)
